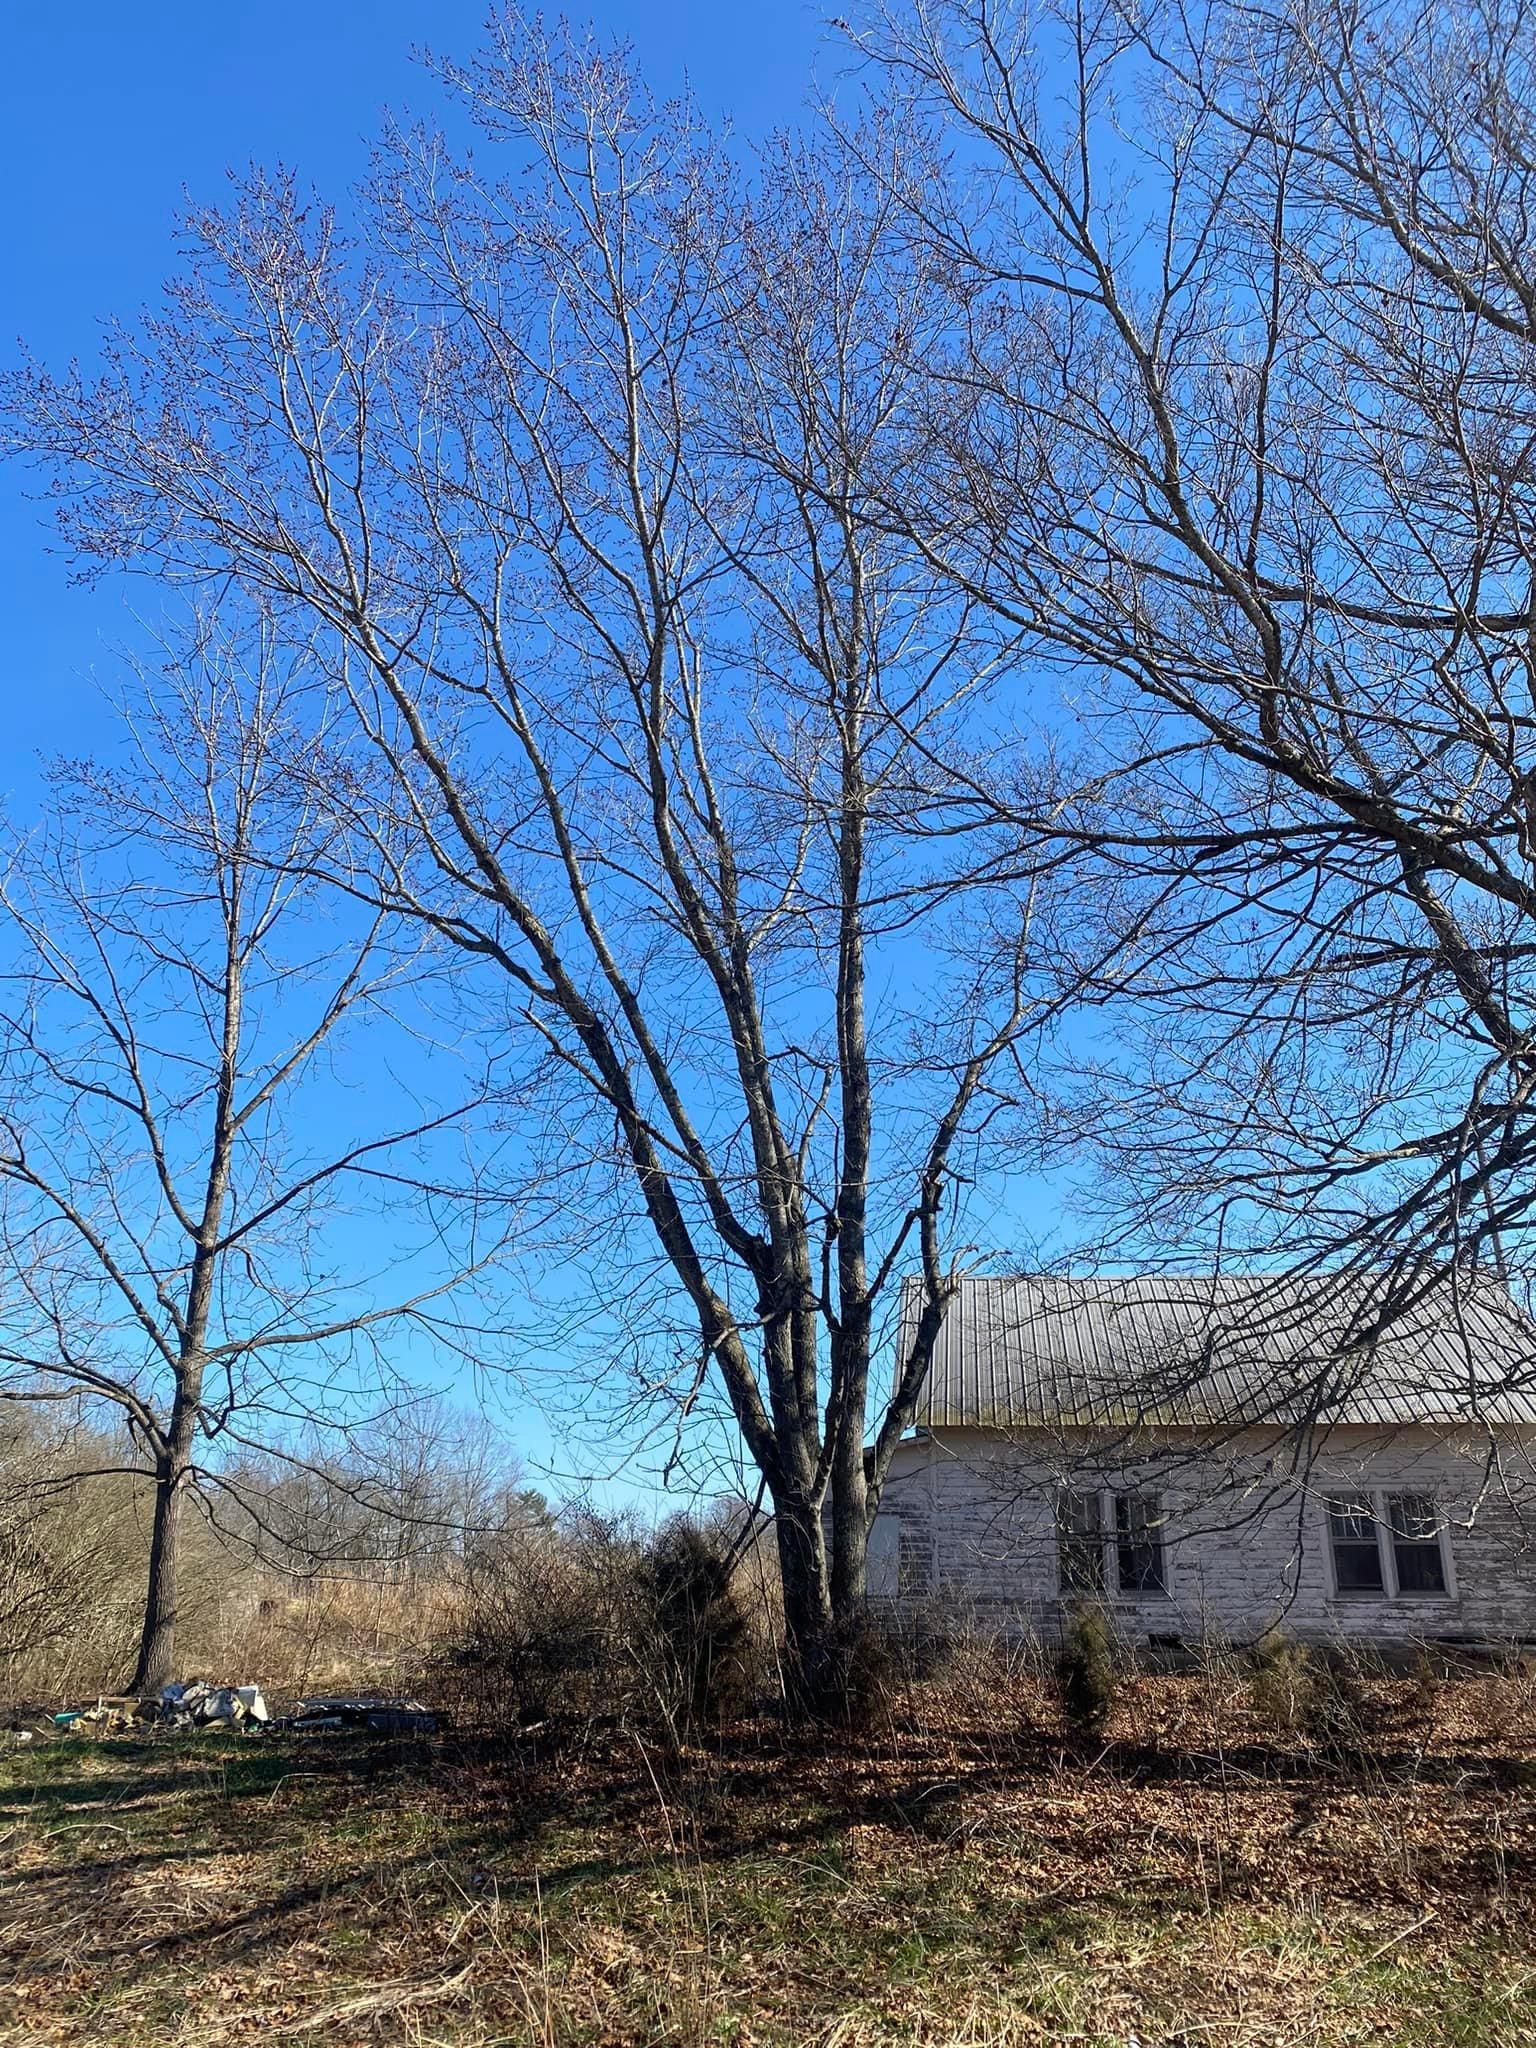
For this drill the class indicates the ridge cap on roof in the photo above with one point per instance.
(1483, 1284)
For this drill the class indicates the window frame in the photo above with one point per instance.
(1381, 1500)
(1091, 1542)
(1145, 1531)
(1110, 1539)
(914, 1578)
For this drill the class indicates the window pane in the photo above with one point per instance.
(1356, 1553)
(911, 1566)
(1080, 1543)
(1139, 1543)
(1353, 1520)
(1420, 1567)
(1080, 1514)
(1416, 1544)
(1357, 1567)
(1413, 1515)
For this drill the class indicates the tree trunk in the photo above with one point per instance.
(157, 1644)
(810, 1627)
(824, 1596)
(850, 1475)
(850, 1537)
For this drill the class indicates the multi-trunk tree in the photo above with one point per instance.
(568, 456)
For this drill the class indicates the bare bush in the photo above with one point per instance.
(593, 1624)
(986, 1677)
(943, 1672)
(65, 1544)
(1507, 1702)
(701, 1627)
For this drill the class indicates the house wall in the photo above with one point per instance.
(967, 1520)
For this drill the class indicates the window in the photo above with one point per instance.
(1356, 1551)
(1386, 1546)
(1080, 1540)
(1110, 1542)
(897, 1562)
(1416, 1555)
(882, 1559)
(1138, 1544)
(911, 1565)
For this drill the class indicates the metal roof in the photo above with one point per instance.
(1196, 1349)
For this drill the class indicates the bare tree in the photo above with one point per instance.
(199, 1221)
(574, 469)
(405, 1494)
(1237, 428)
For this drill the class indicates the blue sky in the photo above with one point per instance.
(110, 115)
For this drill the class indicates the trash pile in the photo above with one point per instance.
(108, 1715)
(191, 1704)
(194, 1703)
(381, 1716)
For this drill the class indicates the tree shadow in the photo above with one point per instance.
(503, 1821)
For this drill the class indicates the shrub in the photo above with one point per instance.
(592, 1624)
(967, 1679)
(1281, 1683)
(71, 1562)
(1087, 1677)
(1341, 1713)
(701, 1628)
(546, 1622)
(1507, 1697)
(926, 1642)
(865, 1669)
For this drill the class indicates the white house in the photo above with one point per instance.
(1210, 1457)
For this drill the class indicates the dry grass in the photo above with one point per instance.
(298, 1636)
(290, 1635)
(961, 1873)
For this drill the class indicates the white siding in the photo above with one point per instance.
(973, 1518)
